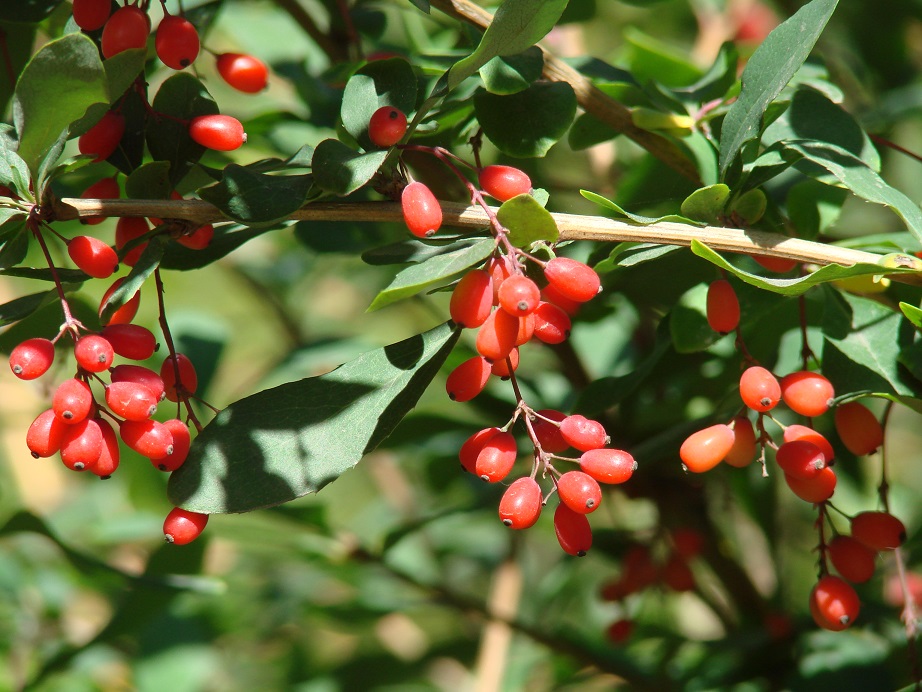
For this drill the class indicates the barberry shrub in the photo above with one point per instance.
(620, 356)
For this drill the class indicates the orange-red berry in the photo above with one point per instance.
(387, 126)
(504, 182)
(834, 604)
(706, 448)
(858, 428)
(243, 72)
(759, 389)
(421, 211)
(521, 504)
(182, 526)
(468, 379)
(807, 393)
(723, 307)
(573, 531)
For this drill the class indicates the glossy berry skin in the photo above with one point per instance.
(500, 269)
(109, 457)
(853, 560)
(72, 401)
(583, 433)
(91, 15)
(817, 489)
(858, 428)
(472, 448)
(521, 504)
(723, 307)
(93, 353)
(130, 400)
(834, 604)
(130, 341)
(508, 365)
(468, 379)
(182, 441)
(706, 448)
(519, 295)
(496, 459)
(497, 335)
(526, 329)
(802, 432)
(878, 530)
(547, 433)
(32, 358)
(608, 465)
(177, 42)
(123, 314)
(759, 389)
(504, 182)
(127, 28)
(129, 228)
(800, 459)
(139, 375)
(552, 325)
(579, 491)
(218, 132)
(81, 445)
(573, 531)
(243, 72)
(45, 434)
(103, 138)
(421, 211)
(807, 393)
(472, 299)
(188, 379)
(387, 126)
(182, 526)
(549, 294)
(93, 256)
(572, 279)
(743, 450)
(147, 437)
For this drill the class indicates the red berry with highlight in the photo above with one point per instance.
(802, 432)
(723, 307)
(583, 433)
(93, 353)
(72, 401)
(547, 433)
(124, 313)
(472, 299)
(81, 445)
(127, 28)
(504, 182)
(177, 42)
(147, 437)
(218, 132)
(103, 138)
(387, 126)
(579, 491)
(468, 379)
(521, 504)
(32, 358)
(182, 441)
(497, 335)
(834, 603)
(93, 256)
(199, 239)
(473, 446)
(817, 489)
(185, 383)
(572, 279)
(182, 526)
(496, 459)
(519, 295)
(129, 228)
(243, 72)
(130, 400)
(552, 324)
(608, 465)
(878, 530)
(800, 459)
(91, 15)
(508, 365)
(852, 559)
(130, 340)
(421, 211)
(109, 457)
(858, 428)
(743, 450)
(807, 393)
(573, 531)
(139, 375)
(759, 389)
(706, 448)
(45, 434)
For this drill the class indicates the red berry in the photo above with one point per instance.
(858, 428)
(582, 433)
(45, 434)
(802, 432)
(182, 441)
(107, 188)
(573, 531)
(128, 27)
(573, 279)
(706, 448)
(127, 229)
(688, 542)
(547, 433)
(387, 126)
(620, 631)
(108, 459)
(759, 389)
(177, 42)
(638, 571)
(549, 294)
(130, 340)
(552, 324)
(677, 575)
(608, 465)
(182, 526)
(243, 72)
(103, 138)
(497, 335)
(93, 353)
(519, 295)
(817, 489)
(878, 530)
(496, 459)
(421, 210)
(32, 358)
(508, 365)
(139, 375)
(500, 269)
(852, 559)
(521, 504)
(807, 393)
(147, 437)
(93, 256)
(743, 450)
(131, 400)
(473, 446)
(179, 377)
(800, 459)
(81, 445)
(199, 239)
(779, 265)
(125, 313)
(72, 401)
(723, 307)
(218, 132)
(468, 379)
(504, 182)
(834, 604)
(579, 491)
(472, 299)
(90, 15)
(526, 329)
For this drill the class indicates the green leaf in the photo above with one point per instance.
(749, 207)
(19, 44)
(67, 73)
(769, 69)
(121, 71)
(27, 11)
(14, 250)
(636, 218)
(380, 83)
(342, 170)
(530, 122)
(510, 74)
(435, 270)
(22, 307)
(291, 440)
(413, 250)
(67, 276)
(719, 79)
(814, 206)
(527, 221)
(912, 313)
(150, 181)
(516, 26)
(688, 322)
(587, 131)
(255, 198)
(707, 204)
(652, 59)
(143, 268)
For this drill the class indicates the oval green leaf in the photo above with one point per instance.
(527, 221)
(341, 170)
(530, 122)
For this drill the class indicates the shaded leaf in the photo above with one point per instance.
(226, 240)
(688, 322)
(527, 221)
(706, 204)
(340, 169)
(510, 74)
(22, 307)
(413, 250)
(143, 268)
(527, 123)
(253, 198)
(14, 250)
(150, 181)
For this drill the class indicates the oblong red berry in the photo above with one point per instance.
(817, 489)
(472, 299)
(858, 428)
(93, 256)
(72, 401)
(93, 353)
(139, 375)
(573, 279)
(549, 294)
(387, 126)
(497, 335)
(472, 447)
(81, 445)
(147, 437)
(583, 433)
(852, 559)
(108, 459)
(177, 42)
(179, 377)
(800, 459)
(32, 358)
(802, 432)
(90, 15)
(807, 393)
(759, 389)
(182, 442)
(129, 228)
(421, 211)
(521, 504)
(131, 400)
(508, 365)
(579, 491)
(547, 433)
(468, 379)
(218, 132)
(130, 341)
(126, 312)
(103, 138)
(834, 604)
(608, 465)
(779, 265)
(500, 269)
(503, 182)
(573, 531)
(743, 450)
(723, 307)
(243, 72)
(519, 295)
(526, 329)
(43, 438)
(878, 530)
(496, 458)
(703, 450)
(182, 526)
(552, 324)
(128, 27)
(199, 239)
